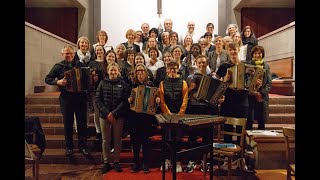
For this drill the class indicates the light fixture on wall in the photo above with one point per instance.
(159, 7)
(159, 12)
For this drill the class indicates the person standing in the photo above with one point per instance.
(236, 101)
(102, 39)
(70, 102)
(249, 40)
(141, 125)
(112, 96)
(196, 107)
(99, 66)
(173, 91)
(259, 101)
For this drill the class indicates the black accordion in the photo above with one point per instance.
(244, 77)
(210, 90)
(79, 80)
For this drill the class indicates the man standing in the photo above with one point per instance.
(195, 36)
(70, 102)
(145, 32)
(167, 23)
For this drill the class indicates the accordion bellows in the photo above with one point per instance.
(79, 80)
(144, 99)
(210, 90)
(244, 77)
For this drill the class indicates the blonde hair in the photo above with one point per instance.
(113, 64)
(131, 31)
(81, 38)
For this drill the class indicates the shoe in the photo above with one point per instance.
(106, 168)
(207, 166)
(135, 168)
(117, 167)
(98, 137)
(244, 166)
(190, 167)
(233, 166)
(145, 168)
(84, 151)
(178, 167)
(69, 152)
(112, 150)
(167, 165)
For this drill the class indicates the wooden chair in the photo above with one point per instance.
(289, 135)
(32, 153)
(233, 156)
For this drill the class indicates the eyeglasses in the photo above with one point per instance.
(67, 53)
(139, 70)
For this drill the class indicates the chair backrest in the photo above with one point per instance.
(34, 133)
(28, 153)
(289, 136)
(236, 122)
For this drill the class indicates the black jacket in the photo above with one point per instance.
(112, 96)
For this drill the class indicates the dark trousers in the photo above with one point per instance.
(141, 127)
(74, 104)
(255, 113)
(139, 141)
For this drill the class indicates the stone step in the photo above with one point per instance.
(280, 99)
(42, 108)
(53, 98)
(58, 129)
(281, 118)
(55, 108)
(53, 117)
(43, 98)
(281, 108)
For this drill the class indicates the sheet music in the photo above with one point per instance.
(262, 132)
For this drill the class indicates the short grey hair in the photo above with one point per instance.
(67, 47)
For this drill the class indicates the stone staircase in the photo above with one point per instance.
(46, 107)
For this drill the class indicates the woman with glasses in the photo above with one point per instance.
(141, 125)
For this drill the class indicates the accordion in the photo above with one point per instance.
(144, 99)
(244, 77)
(79, 80)
(210, 90)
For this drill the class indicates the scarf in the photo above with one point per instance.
(258, 62)
(84, 58)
